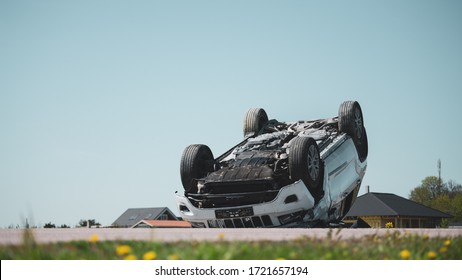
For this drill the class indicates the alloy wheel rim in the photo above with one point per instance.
(313, 163)
(358, 124)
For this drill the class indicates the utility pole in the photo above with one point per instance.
(439, 173)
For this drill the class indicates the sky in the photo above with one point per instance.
(98, 99)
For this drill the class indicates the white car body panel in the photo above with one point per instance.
(341, 178)
(237, 195)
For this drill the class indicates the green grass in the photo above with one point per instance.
(391, 246)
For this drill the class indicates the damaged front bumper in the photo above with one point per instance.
(293, 205)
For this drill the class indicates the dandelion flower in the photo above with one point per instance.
(151, 255)
(447, 243)
(221, 236)
(174, 257)
(431, 255)
(130, 257)
(405, 254)
(122, 250)
(280, 259)
(443, 250)
(94, 238)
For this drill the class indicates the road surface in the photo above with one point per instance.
(16, 236)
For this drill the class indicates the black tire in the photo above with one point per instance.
(196, 162)
(363, 149)
(351, 122)
(254, 121)
(305, 164)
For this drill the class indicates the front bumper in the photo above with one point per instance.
(292, 206)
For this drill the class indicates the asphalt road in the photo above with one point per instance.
(16, 236)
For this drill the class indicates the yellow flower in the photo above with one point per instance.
(431, 255)
(389, 225)
(151, 255)
(280, 259)
(447, 243)
(443, 250)
(122, 250)
(94, 238)
(130, 258)
(405, 254)
(221, 236)
(174, 257)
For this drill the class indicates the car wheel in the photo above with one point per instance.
(305, 163)
(363, 148)
(196, 161)
(254, 121)
(351, 122)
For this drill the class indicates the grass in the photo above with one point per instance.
(393, 246)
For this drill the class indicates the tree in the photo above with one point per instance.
(434, 185)
(442, 203)
(422, 195)
(446, 197)
(453, 188)
(457, 210)
(64, 226)
(84, 223)
(49, 225)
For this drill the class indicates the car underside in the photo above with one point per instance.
(297, 160)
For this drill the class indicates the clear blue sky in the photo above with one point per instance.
(98, 99)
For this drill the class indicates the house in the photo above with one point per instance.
(161, 224)
(380, 209)
(133, 216)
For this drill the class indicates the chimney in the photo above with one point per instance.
(367, 189)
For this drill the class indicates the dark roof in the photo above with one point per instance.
(387, 204)
(133, 215)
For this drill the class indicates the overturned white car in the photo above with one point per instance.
(284, 174)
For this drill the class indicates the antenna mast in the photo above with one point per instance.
(439, 171)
